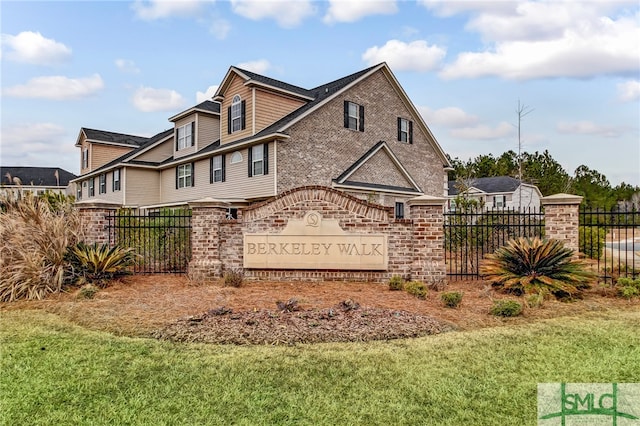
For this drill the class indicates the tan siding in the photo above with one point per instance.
(188, 150)
(158, 153)
(271, 107)
(99, 155)
(142, 186)
(236, 87)
(208, 130)
(110, 195)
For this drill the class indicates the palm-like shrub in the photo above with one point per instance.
(98, 263)
(528, 266)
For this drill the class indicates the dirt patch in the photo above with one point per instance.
(166, 306)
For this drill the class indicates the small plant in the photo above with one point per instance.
(88, 291)
(628, 287)
(234, 278)
(451, 299)
(99, 263)
(396, 283)
(506, 308)
(290, 305)
(526, 266)
(417, 289)
(535, 300)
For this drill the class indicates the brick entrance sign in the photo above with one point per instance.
(318, 233)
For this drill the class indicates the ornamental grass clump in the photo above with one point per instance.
(34, 236)
(99, 263)
(528, 266)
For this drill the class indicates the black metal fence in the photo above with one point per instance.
(162, 239)
(474, 232)
(612, 239)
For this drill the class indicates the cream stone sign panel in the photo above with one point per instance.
(315, 243)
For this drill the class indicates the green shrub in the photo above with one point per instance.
(451, 299)
(88, 291)
(234, 278)
(592, 240)
(95, 263)
(535, 300)
(416, 288)
(396, 283)
(628, 287)
(506, 308)
(526, 266)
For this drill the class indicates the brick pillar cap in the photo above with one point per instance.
(97, 204)
(561, 199)
(209, 202)
(426, 200)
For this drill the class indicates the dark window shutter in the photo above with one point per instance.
(346, 114)
(250, 158)
(193, 133)
(211, 170)
(243, 115)
(175, 136)
(229, 120)
(113, 181)
(399, 128)
(265, 159)
(411, 132)
(224, 168)
(177, 177)
(361, 118)
(193, 174)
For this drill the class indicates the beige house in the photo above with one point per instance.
(259, 137)
(496, 193)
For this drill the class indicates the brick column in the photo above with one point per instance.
(561, 218)
(427, 214)
(205, 263)
(93, 220)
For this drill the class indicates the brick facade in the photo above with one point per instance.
(93, 220)
(561, 215)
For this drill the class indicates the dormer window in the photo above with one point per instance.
(236, 120)
(185, 136)
(85, 157)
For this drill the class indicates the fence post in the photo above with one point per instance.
(427, 214)
(206, 214)
(561, 218)
(93, 220)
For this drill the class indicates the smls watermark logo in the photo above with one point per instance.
(592, 404)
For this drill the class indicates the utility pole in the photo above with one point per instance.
(522, 111)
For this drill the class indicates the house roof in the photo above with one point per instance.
(36, 176)
(208, 107)
(489, 185)
(112, 137)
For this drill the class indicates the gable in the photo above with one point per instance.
(380, 169)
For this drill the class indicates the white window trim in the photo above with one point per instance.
(236, 114)
(404, 130)
(102, 183)
(236, 157)
(185, 138)
(116, 181)
(183, 175)
(259, 150)
(217, 168)
(356, 117)
(85, 158)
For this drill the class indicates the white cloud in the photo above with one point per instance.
(547, 40)
(148, 99)
(32, 48)
(629, 91)
(401, 56)
(447, 117)
(220, 28)
(207, 95)
(484, 132)
(587, 128)
(126, 65)
(287, 13)
(158, 9)
(57, 88)
(259, 67)
(447, 8)
(354, 10)
(38, 144)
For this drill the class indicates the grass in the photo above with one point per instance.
(54, 372)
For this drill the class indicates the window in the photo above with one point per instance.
(259, 160)
(405, 130)
(185, 136)
(353, 116)
(499, 201)
(236, 157)
(85, 157)
(184, 175)
(92, 191)
(78, 192)
(115, 184)
(236, 120)
(102, 186)
(217, 169)
(232, 213)
(399, 210)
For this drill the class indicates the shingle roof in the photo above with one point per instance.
(276, 83)
(38, 176)
(489, 185)
(105, 136)
(209, 106)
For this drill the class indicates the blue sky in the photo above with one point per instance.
(129, 66)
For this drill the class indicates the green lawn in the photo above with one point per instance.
(55, 373)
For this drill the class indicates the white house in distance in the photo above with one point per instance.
(37, 180)
(499, 192)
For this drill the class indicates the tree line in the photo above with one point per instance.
(550, 177)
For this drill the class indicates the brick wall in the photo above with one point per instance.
(561, 218)
(93, 221)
